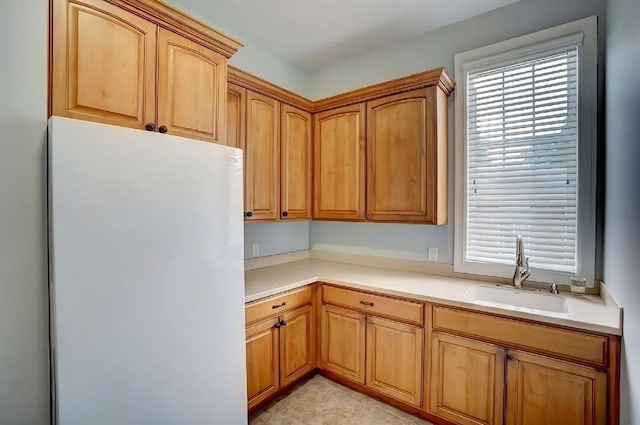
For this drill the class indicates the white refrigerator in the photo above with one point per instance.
(146, 278)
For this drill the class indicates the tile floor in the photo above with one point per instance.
(320, 401)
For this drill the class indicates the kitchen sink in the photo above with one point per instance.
(516, 298)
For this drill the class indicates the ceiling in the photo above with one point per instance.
(312, 34)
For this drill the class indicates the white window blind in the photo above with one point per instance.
(522, 161)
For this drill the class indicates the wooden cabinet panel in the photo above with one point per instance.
(273, 306)
(262, 152)
(297, 344)
(339, 164)
(295, 176)
(236, 116)
(405, 310)
(398, 182)
(541, 390)
(342, 342)
(394, 359)
(192, 88)
(104, 64)
(263, 379)
(581, 346)
(467, 380)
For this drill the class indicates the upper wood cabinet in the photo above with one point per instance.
(236, 116)
(262, 152)
(295, 164)
(138, 64)
(104, 64)
(339, 164)
(406, 158)
(192, 88)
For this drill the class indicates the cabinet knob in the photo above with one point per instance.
(284, 213)
(277, 325)
(283, 323)
(163, 129)
(249, 214)
(510, 357)
(150, 126)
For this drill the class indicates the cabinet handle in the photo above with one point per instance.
(163, 129)
(150, 126)
(283, 323)
(282, 304)
(366, 304)
(248, 214)
(277, 325)
(284, 213)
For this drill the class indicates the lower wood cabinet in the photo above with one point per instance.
(263, 373)
(280, 350)
(467, 380)
(297, 344)
(385, 355)
(394, 359)
(342, 342)
(541, 390)
(468, 386)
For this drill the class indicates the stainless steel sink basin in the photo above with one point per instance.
(516, 298)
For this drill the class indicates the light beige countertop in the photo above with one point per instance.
(586, 312)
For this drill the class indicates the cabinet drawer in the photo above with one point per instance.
(277, 304)
(573, 345)
(380, 305)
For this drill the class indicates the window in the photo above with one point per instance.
(525, 154)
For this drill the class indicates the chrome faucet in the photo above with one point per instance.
(522, 272)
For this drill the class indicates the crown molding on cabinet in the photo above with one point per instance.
(437, 76)
(258, 85)
(175, 20)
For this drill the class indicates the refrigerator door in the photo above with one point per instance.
(146, 279)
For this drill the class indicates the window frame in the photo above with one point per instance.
(512, 51)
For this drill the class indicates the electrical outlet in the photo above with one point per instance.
(433, 254)
(256, 249)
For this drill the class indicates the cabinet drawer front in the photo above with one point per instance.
(573, 345)
(380, 305)
(274, 306)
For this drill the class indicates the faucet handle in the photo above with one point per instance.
(526, 262)
(554, 288)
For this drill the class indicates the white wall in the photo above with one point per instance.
(622, 195)
(24, 379)
(432, 50)
(276, 238)
(252, 58)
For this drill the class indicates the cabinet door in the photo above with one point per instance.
(398, 183)
(103, 64)
(339, 164)
(541, 390)
(295, 176)
(192, 89)
(467, 380)
(342, 342)
(236, 116)
(297, 344)
(394, 359)
(263, 379)
(262, 152)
